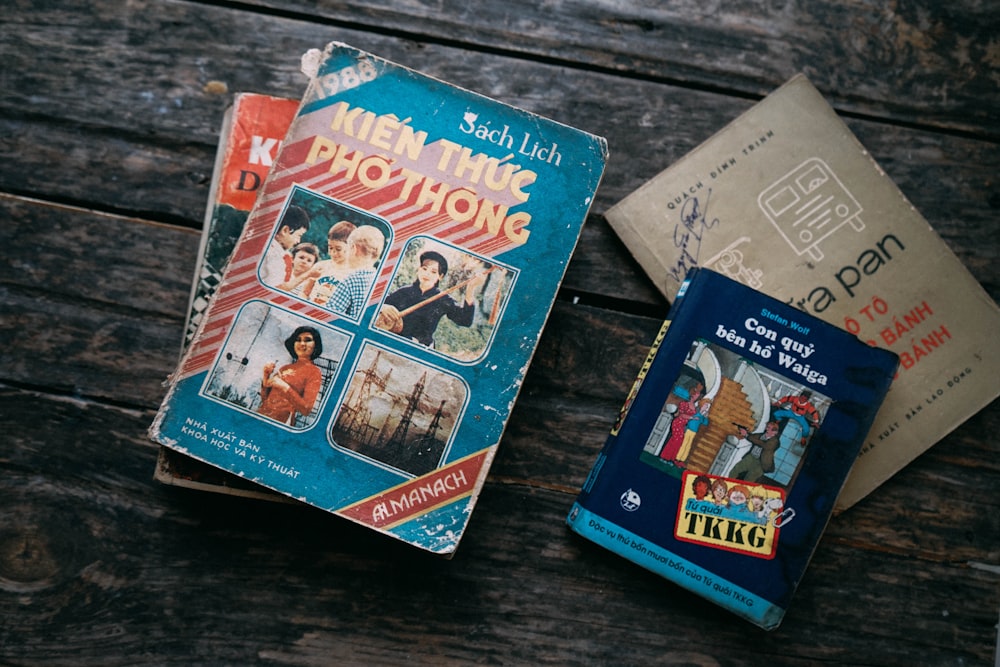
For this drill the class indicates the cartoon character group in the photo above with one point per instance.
(690, 415)
(738, 501)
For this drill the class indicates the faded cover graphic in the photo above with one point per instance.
(786, 200)
(377, 317)
(252, 129)
(722, 471)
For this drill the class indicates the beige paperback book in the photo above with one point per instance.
(785, 199)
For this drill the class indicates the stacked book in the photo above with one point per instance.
(361, 345)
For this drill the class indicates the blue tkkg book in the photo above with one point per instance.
(723, 467)
(374, 323)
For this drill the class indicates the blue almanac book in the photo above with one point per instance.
(723, 467)
(373, 326)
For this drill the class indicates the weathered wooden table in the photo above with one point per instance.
(109, 116)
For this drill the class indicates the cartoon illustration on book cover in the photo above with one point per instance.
(808, 204)
(735, 433)
(723, 470)
(786, 200)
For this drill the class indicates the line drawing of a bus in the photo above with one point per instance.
(808, 204)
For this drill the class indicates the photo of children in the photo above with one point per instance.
(445, 299)
(364, 253)
(325, 252)
(276, 365)
(328, 273)
(399, 412)
(304, 256)
(733, 419)
(276, 265)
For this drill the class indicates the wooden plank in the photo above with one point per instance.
(147, 149)
(118, 129)
(941, 58)
(106, 168)
(126, 294)
(97, 259)
(93, 303)
(114, 336)
(168, 574)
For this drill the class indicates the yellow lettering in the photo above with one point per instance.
(321, 149)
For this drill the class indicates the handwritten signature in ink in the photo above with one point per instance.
(688, 234)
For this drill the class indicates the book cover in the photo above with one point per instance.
(722, 471)
(252, 129)
(786, 200)
(378, 314)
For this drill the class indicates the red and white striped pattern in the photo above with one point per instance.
(408, 220)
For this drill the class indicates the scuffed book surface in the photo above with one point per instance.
(375, 321)
(723, 468)
(787, 201)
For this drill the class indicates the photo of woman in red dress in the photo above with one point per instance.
(293, 388)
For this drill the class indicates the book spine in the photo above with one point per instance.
(609, 445)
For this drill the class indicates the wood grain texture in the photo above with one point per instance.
(99, 562)
(109, 114)
(147, 149)
(942, 59)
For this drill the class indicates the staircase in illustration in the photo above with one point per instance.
(730, 406)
